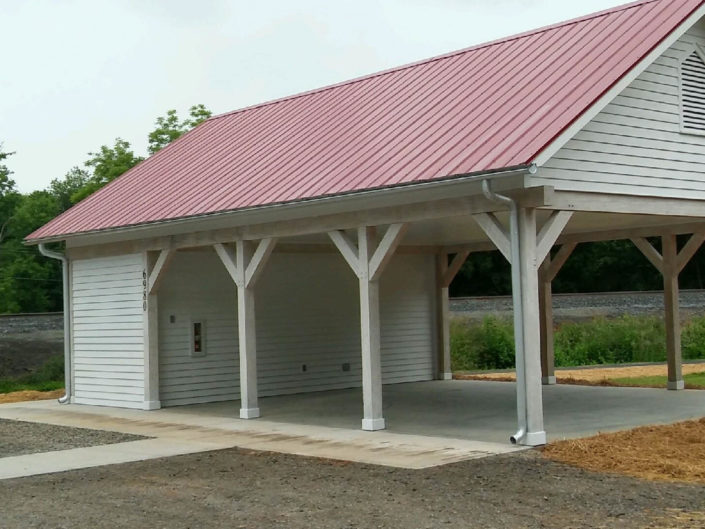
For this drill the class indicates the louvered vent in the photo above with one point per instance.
(693, 93)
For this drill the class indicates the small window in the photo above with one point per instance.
(198, 338)
(692, 80)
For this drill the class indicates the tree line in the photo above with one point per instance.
(30, 282)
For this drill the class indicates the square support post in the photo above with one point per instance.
(548, 362)
(245, 267)
(247, 335)
(368, 260)
(153, 266)
(529, 332)
(443, 307)
(672, 310)
(370, 337)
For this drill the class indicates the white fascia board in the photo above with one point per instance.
(557, 144)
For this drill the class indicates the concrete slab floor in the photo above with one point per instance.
(428, 424)
(479, 410)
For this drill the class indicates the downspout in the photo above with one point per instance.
(67, 318)
(517, 305)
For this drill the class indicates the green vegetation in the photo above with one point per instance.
(47, 378)
(490, 345)
(28, 281)
(611, 341)
(693, 380)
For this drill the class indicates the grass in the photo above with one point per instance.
(693, 381)
(49, 377)
(627, 339)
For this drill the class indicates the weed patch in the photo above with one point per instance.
(48, 377)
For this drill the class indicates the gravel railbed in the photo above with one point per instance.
(19, 438)
(570, 306)
(243, 489)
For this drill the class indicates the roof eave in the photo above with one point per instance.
(380, 197)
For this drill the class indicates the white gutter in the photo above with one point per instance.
(519, 337)
(67, 319)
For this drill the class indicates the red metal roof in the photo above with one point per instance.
(488, 107)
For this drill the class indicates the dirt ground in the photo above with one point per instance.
(245, 489)
(596, 375)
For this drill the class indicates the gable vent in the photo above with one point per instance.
(693, 93)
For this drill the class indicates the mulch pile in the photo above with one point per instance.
(663, 453)
(21, 396)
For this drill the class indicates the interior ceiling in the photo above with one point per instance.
(464, 230)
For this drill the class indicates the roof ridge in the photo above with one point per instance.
(435, 58)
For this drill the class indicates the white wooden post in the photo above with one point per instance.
(370, 336)
(245, 267)
(445, 274)
(548, 363)
(670, 263)
(672, 313)
(247, 336)
(368, 264)
(532, 249)
(547, 273)
(154, 266)
(535, 434)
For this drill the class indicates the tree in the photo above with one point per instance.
(71, 184)
(169, 127)
(28, 281)
(9, 197)
(107, 164)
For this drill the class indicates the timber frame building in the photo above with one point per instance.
(345, 213)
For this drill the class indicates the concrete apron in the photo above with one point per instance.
(174, 433)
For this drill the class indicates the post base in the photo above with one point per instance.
(372, 425)
(151, 405)
(249, 413)
(676, 385)
(533, 439)
(446, 376)
(548, 381)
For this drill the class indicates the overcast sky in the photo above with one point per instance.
(76, 74)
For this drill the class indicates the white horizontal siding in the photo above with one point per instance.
(635, 145)
(307, 309)
(196, 286)
(108, 331)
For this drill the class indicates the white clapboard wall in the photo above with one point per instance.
(635, 145)
(307, 310)
(108, 331)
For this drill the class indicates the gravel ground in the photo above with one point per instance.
(18, 438)
(244, 489)
(572, 306)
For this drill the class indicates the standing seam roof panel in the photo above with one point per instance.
(485, 108)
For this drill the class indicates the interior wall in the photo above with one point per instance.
(308, 333)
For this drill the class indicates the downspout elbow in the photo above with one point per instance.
(67, 318)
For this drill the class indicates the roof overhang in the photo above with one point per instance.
(506, 179)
